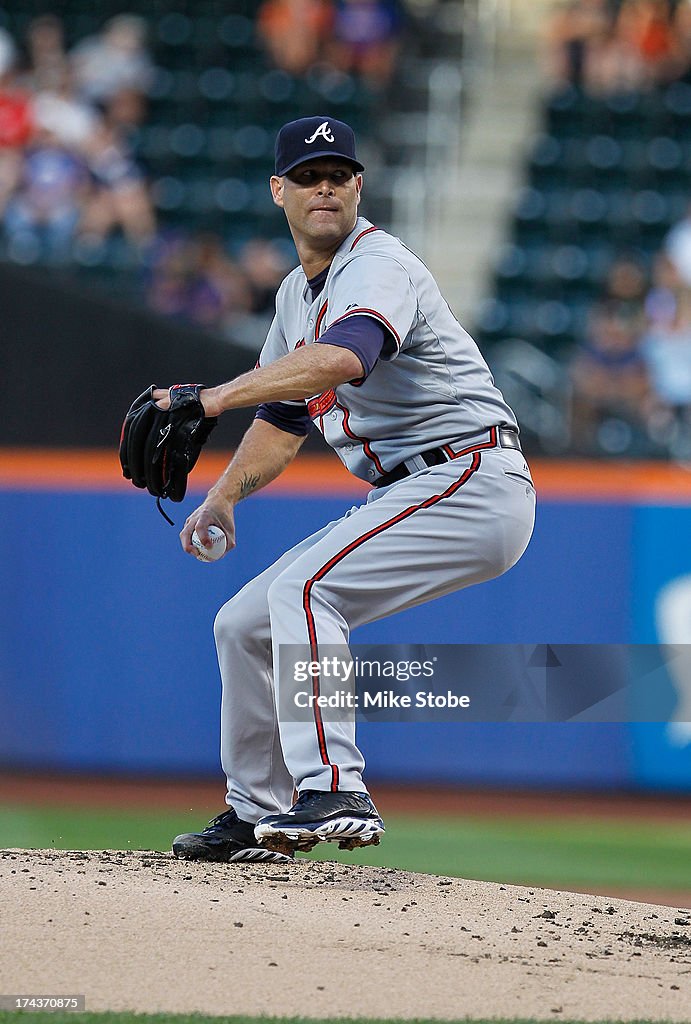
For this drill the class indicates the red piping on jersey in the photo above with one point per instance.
(366, 444)
(376, 315)
(320, 319)
(346, 414)
(338, 557)
(317, 328)
(362, 234)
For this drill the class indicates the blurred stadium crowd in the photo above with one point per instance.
(65, 168)
(135, 149)
(605, 47)
(597, 272)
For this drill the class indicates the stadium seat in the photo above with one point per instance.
(552, 324)
(232, 195)
(569, 266)
(606, 175)
(530, 224)
(564, 112)
(545, 166)
(651, 216)
(492, 322)
(235, 31)
(216, 84)
(626, 112)
(513, 270)
(667, 165)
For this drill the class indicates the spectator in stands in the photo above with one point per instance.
(42, 215)
(194, 280)
(125, 111)
(613, 65)
(646, 31)
(16, 121)
(119, 197)
(366, 38)
(667, 352)
(64, 165)
(113, 61)
(571, 33)
(609, 379)
(64, 114)
(682, 39)
(677, 246)
(225, 275)
(625, 291)
(265, 266)
(47, 60)
(663, 300)
(607, 48)
(173, 279)
(294, 32)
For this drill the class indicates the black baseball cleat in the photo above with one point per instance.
(350, 819)
(228, 839)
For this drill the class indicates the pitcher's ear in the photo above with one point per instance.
(276, 184)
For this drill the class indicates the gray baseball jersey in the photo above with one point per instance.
(430, 386)
(439, 525)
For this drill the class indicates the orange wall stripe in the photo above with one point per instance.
(47, 470)
(55, 470)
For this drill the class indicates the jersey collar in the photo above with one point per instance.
(361, 225)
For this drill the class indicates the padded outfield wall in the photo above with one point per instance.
(106, 652)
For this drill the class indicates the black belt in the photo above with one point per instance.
(494, 437)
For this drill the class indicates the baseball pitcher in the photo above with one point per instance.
(364, 348)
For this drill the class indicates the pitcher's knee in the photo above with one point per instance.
(241, 618)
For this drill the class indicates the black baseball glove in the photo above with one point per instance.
(159, 449)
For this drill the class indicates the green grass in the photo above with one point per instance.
(554, 852)
(167, 1018)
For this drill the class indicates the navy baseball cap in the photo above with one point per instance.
(312, 137)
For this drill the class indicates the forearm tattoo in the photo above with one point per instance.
(248, 484)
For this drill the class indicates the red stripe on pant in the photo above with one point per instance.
(333, 561)
(314, 656)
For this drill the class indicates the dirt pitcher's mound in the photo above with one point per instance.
(142, 931)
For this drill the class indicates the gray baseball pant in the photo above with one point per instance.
(437, 531)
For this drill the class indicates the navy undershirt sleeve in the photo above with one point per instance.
(294, 419)
(362, 334)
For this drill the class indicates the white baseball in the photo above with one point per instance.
(217, 549)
